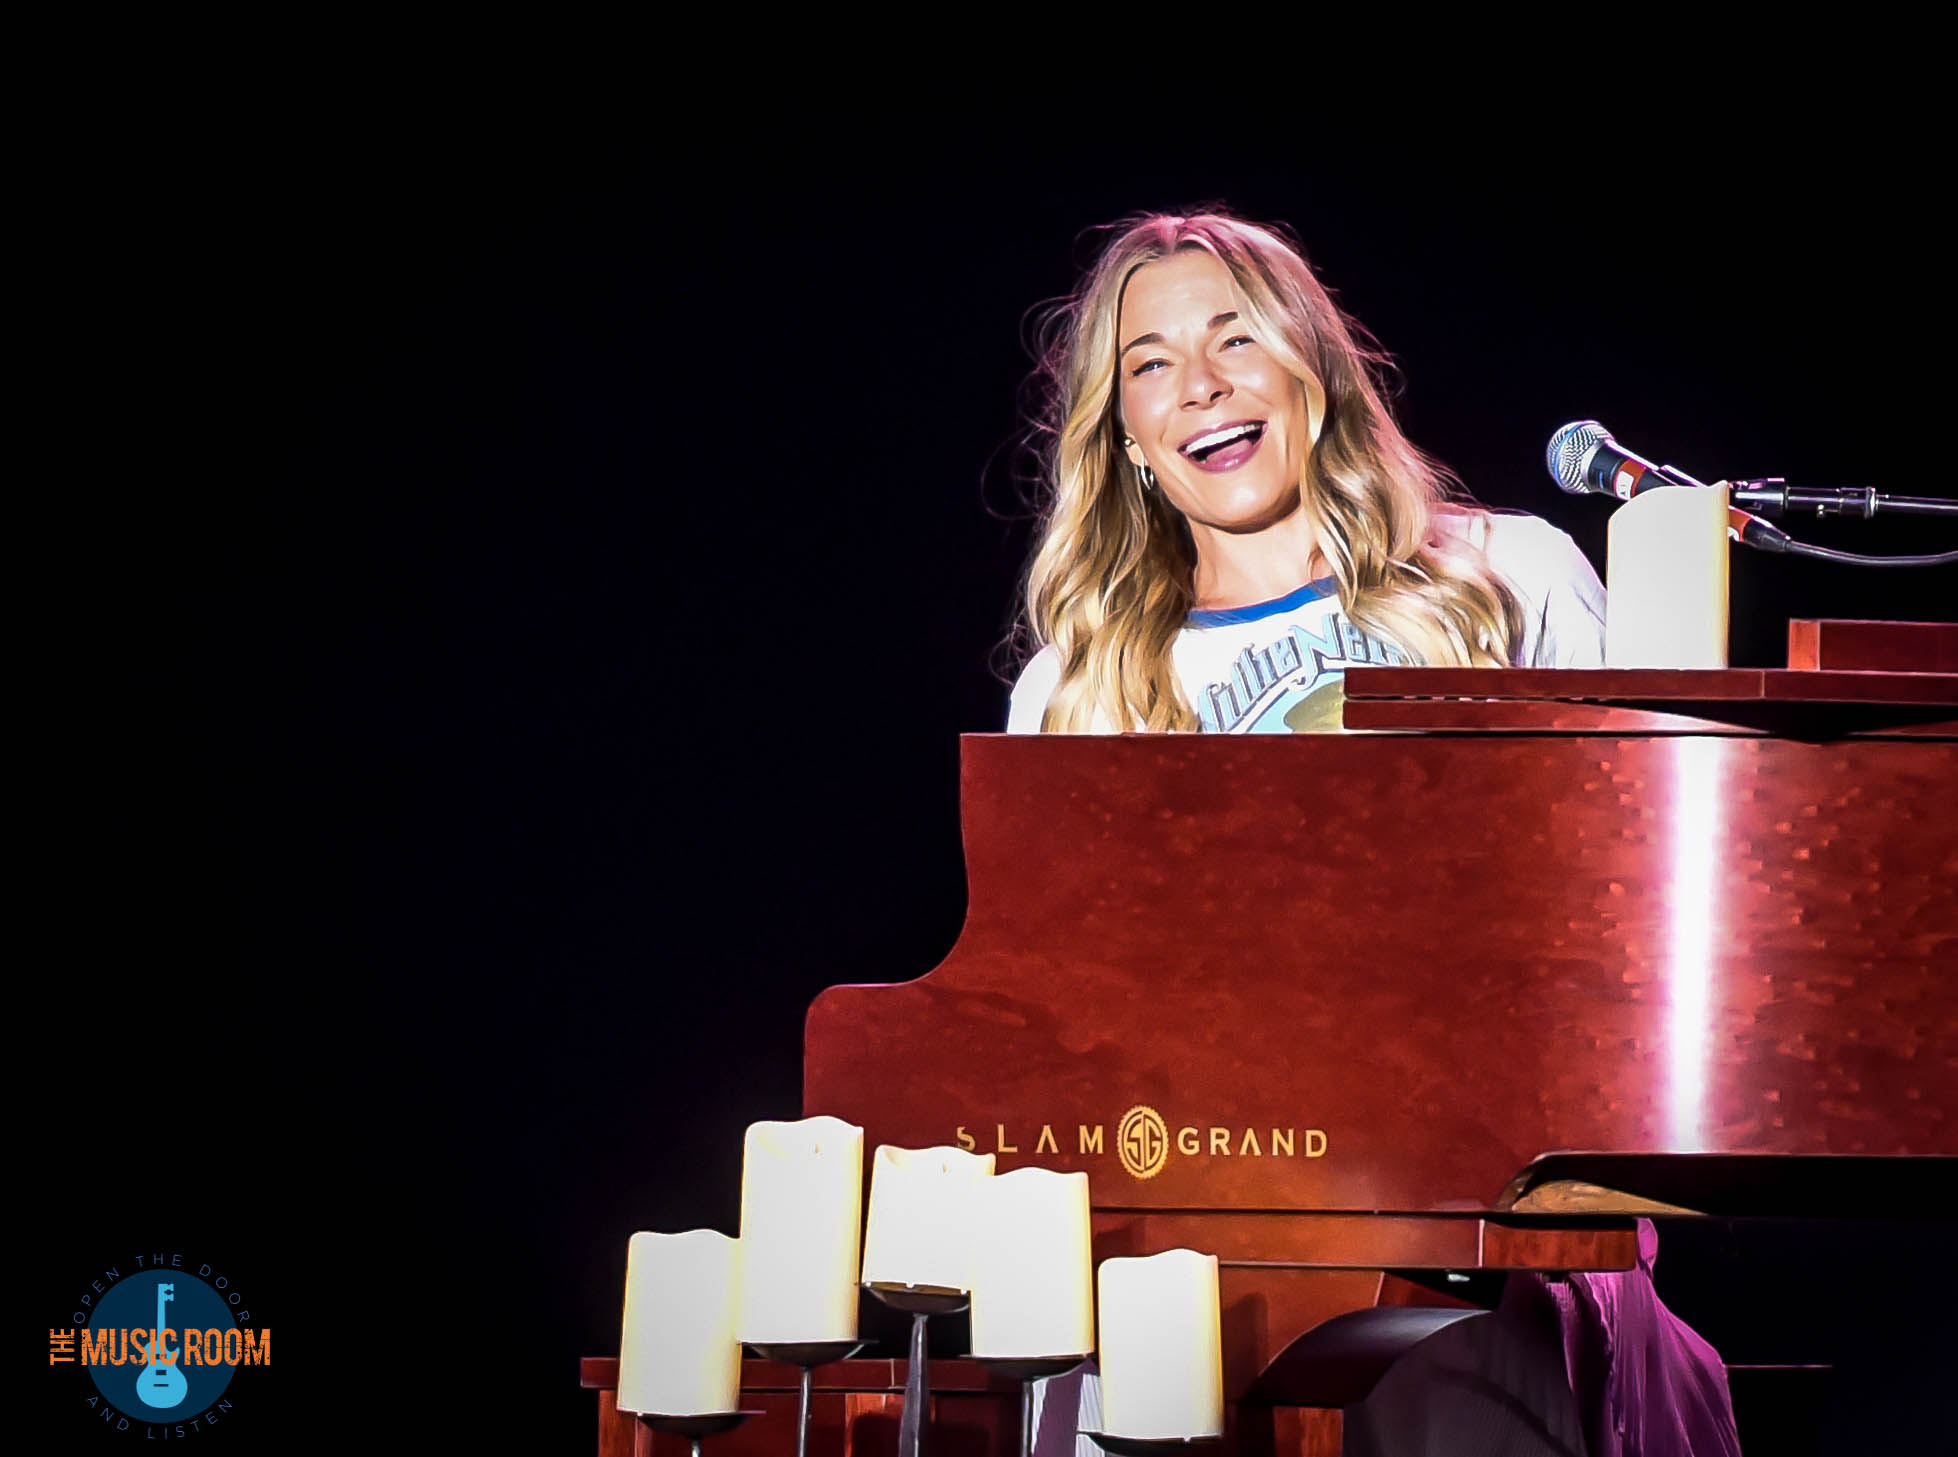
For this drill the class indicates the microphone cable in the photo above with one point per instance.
(1753, 531)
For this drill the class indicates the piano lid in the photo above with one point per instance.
(1391, 971)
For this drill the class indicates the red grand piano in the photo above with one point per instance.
(1369, 1016)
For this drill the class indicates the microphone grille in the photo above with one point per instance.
(1568, 448)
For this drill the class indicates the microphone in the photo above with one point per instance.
(1584, 459)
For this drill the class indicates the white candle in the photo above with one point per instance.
(1162, 1353)
(920, 1220)
(1666, 572)
(678, 1353)
(1032, 1266)
(801, 1213)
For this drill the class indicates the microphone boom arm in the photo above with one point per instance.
(1775, 497)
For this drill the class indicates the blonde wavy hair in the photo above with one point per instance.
(1112, 577)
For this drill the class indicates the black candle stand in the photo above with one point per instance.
(1149, 1446)
(921, 1303)
(808, 1355)
(696, 1426)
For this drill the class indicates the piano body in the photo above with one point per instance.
(1373, 1017)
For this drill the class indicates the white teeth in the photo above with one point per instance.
(1219, 437)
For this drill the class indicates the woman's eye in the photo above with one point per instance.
(1238, 339)
(1147, 365)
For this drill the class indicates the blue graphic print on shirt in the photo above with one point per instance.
(1293, 684)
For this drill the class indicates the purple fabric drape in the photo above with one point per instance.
(1646, 1383)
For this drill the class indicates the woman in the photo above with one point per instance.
(1235, 518)
(1226, 479)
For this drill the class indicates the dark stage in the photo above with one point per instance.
(524, 611)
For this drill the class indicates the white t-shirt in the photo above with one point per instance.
(1280, 666)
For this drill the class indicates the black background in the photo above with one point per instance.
(520, 598)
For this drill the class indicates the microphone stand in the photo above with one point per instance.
(1774, 497)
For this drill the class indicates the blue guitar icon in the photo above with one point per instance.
(161, 1385)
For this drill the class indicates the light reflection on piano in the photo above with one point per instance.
(1699, 769)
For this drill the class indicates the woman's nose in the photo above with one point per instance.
(1203, 385)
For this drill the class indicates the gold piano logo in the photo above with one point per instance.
(1142, 1140)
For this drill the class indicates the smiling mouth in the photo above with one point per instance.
(1226, 446)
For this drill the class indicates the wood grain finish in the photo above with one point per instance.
(1898, 647)
(1442, 955)
(1673, 685)
(1644, 701)
(854, 1412)
(1290, 1239)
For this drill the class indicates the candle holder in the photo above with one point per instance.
(808, 1355)
(1149, 1446)
(1026, 1370)
(694, 1427)
(921, 1303)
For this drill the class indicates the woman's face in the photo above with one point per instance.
(1204, 405)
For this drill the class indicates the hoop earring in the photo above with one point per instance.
(1143, 473)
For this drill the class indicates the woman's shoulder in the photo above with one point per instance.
(1031, 690)
(1561, 596)
(1533, 555)
(1515, 540)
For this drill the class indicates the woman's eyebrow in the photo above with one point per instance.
(1224, 318)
